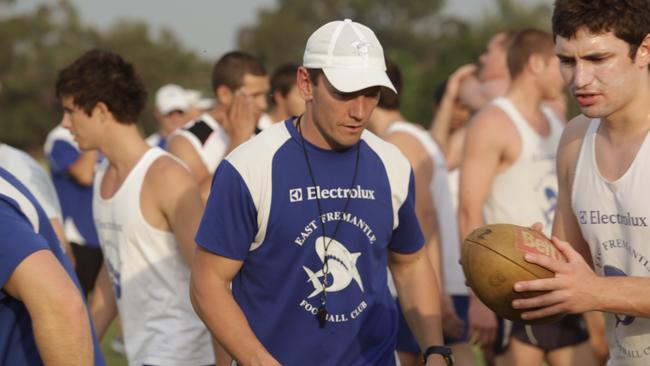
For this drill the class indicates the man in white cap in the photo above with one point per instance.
(198, 104)
(305, 220)
(173, 103)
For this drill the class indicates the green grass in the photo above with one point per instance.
(112, 358)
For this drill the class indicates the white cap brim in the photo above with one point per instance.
(352, 80)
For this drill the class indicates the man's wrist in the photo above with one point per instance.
(439, 351)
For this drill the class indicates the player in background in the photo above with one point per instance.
(173, 106)
(284, 97)
(72, 173)
(240, 85)
(508, 175)
(146, 207)
(491, 79)
(434, 211)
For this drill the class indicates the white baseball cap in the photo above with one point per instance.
(197, 100)
(349, 54)
(172, 97)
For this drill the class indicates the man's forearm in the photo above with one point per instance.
(83, 170)
(419, 298)
(468, 221)
(442, 122)
(103, 308)
(227, 323)
(623, 295)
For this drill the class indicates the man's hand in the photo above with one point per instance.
(482, 323)
(455, 79)
(452, 324)
(264, 360)
(241, 119)
(572, 290)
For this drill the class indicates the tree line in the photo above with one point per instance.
(427, 44)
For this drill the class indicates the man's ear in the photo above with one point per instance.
(224, 95)
(305, 87)
(537, 63)
(643, 53)
(101, 111)
(277, 97)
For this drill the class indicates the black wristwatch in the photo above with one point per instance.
(445, 352)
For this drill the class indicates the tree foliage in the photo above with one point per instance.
(427, 45)
(37, 45)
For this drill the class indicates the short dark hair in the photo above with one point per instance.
(283, 79)
(507, 38)
(230, 69)
(314, 75)
(103, 76)
(628, 20)
(439, 92)
(388, 99)
(526, 43)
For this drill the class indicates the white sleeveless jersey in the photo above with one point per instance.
(149, 276)
(208, 138)
(613, 218)
(526, 192)
(449, 241)
(453, 179)
(30, 173)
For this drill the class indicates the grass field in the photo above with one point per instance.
(112, 358)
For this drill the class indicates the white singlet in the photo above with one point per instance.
(27, 170)
(526, 192)
(453, 179)
(150, 278)
(613, 218)
(208, 138)
(454, 279)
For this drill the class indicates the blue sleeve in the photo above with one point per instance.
(407, 237)
(63, 155)
(17, 241)
(229, 222)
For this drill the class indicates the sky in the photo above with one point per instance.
(208, 26)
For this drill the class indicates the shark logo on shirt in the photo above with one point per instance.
(342, 267)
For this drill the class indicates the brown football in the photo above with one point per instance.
(492, 257)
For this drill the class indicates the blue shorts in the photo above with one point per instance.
(406, 341)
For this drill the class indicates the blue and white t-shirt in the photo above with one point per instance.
(76, 199)
(24, 230)
(263, 210)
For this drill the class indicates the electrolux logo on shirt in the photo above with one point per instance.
(312, 193)
(596, 217)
